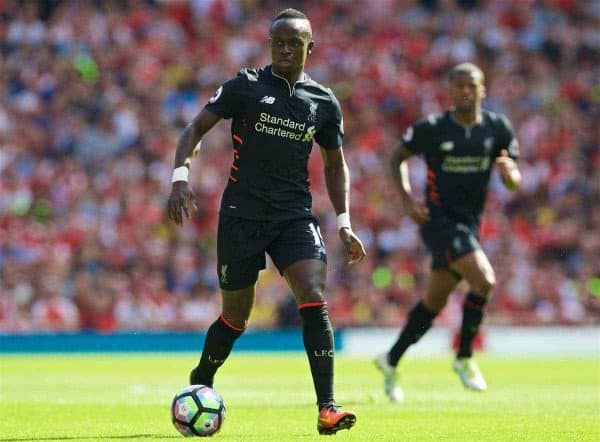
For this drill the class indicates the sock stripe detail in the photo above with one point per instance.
(312, 304)
(470, 304)
(230, 325)
(475, 302)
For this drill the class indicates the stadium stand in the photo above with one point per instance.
(94, 95)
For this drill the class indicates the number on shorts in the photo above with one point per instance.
(316, 234)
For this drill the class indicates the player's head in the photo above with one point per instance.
(290, 38)
(466, 87)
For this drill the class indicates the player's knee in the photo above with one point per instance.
(308, 297)
(435, 304)
(236, 319)
(309, 291)
(484, 286)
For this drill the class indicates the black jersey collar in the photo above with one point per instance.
(477, 121)
(291, 88)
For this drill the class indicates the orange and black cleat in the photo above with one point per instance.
(333, 419)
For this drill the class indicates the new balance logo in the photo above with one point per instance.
(267, 99)
(447, 146)
(488, 143)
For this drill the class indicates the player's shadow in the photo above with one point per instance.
(124, 437)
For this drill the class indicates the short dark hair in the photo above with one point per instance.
(467, 68)
(291, 13)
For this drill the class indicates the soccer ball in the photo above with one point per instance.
(197, 410)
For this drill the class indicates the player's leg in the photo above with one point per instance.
(222, 334)
(441, 283)
(306, 278)
(477, 270)
(299, 254)
(240, 256)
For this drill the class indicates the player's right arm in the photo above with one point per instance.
(227, 102)
(181, 199)
(401, 177)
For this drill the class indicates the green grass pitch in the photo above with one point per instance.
(269, 397)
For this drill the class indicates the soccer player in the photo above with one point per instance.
(460, 146)
(276, 113)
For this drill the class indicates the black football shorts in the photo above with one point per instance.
(242, 244)
(448, 240)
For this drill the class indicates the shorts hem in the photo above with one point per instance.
(281, 269)
(447, 264)
(240, 286)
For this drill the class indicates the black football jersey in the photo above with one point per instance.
(459, 160)
(273, 127)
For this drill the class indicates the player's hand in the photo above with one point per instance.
(355, 251)
(508, 169)
(418, 212)
(181, 202)
(505, 164)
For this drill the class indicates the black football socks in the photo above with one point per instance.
(318, 341)
(218, 344)
(419, 321)
(472, 317)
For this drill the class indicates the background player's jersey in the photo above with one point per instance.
(273, 127)
(459, 160)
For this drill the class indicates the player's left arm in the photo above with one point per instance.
(337, 180)
(506, 161)
(337, 177)
(509, 170)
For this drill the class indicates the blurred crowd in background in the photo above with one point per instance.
(94, 95)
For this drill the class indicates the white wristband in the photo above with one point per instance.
(180, 173)
(343, 220)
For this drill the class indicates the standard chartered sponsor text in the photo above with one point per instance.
(281, 127)
(467, 164)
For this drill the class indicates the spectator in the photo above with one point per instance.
(95, 93)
